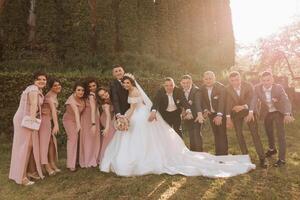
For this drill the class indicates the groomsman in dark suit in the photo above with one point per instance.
(276, 110)
(214, 97)
(118, 93)
(193, 96)
(239, 96)
(169, 101)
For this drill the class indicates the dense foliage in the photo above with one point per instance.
(144, 34)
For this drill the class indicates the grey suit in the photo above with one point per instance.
(245, 97)
(194, 129)
(218, 101)
(281, 106)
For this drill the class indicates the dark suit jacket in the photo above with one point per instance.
(233, 99)
(161, 101)
(195, 100)
(119, 97)
(280, 100)
(218, 98)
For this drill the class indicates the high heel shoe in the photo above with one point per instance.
(34, 175)
(57, 170)
(72, 169)
(50, 171)
(27, 182)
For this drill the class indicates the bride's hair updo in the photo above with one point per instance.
(129, 77)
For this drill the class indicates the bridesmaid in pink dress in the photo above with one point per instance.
(72, 123)
(90, 128)
(106, 120)
(26, 141)
(47, 133)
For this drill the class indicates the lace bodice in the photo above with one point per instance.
(132, 100)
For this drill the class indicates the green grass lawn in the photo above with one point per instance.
(271, 183)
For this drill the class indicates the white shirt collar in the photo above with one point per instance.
(267, 89)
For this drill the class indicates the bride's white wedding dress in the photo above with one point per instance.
(155, 148)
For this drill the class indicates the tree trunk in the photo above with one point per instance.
(116, 14)
(93, 14)
(32, 24)
(2, 4)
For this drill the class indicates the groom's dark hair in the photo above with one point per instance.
(186, 76)
(169, 79)
(117, 66)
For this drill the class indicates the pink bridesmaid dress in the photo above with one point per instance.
(45, 131)
(23, 138)
(69, 123)
(89, 142)
(105, 140)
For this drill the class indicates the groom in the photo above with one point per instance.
(169, 101)
(118, 94)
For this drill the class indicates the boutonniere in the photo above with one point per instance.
(274, 100)
(216, 97)
(190, 102)
(177, 101)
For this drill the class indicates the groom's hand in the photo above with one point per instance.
(152, 116)
(200, 119)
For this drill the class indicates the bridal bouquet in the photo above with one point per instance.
(121, 124)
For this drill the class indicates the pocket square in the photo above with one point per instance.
(190, 102)
(216, 97)
(177, 101)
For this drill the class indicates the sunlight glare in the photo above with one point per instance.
(253, 19)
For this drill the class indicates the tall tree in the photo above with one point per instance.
(2, 4)
(32, 24)
(93, 18)
(116, 13)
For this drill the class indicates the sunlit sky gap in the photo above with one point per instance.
(253, 19)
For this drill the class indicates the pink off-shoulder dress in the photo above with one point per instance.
(69, 123)
(89, 142)
(45, 131)
(24, 137)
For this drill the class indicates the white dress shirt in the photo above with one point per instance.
(187, 93)
(209, 92)
(269, 101)
(171, 104)
(238, 90)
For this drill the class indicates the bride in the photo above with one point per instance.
(155, 148)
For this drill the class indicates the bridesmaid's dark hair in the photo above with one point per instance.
(88, 81)
(37, 74)
(78, 84)
(51, 82)
(128, 78)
